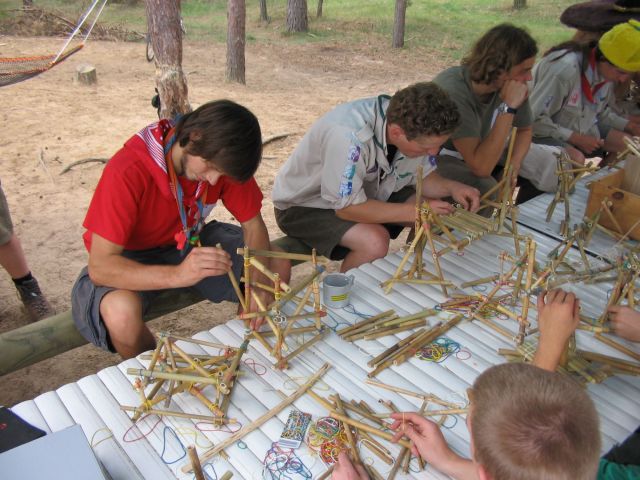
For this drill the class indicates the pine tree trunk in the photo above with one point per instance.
(163, 24)
(264, 16)
(519, 4)
(398, 24)
(297, 20)
(236, 13)
(319, 11)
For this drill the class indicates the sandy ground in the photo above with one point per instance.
(50, 121)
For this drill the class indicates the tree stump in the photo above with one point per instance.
(86, 74)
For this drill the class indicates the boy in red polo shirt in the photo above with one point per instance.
(147, 215)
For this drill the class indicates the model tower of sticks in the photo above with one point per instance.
(208, 378)
(280, 325)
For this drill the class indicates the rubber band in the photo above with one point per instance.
(438, 350)
(206, 473)
(164, 445)
(189, 431)
(479, 288)
(466, 354)
(219, 427)
(282, 463)
(241, 445)
(351, 309)
(104, 429)
(136, 426)
(449, 427)
(257, 368)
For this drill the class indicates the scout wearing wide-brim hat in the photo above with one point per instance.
(600, 16)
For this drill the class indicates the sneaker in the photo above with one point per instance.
(34, 301)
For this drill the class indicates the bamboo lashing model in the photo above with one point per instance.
(202, 376)
(280, 325)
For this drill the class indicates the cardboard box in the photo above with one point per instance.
(624, 205)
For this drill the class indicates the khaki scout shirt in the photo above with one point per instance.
(558, 104)
(342, 161)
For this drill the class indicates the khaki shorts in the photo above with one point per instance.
(321, 229)
(6, 226)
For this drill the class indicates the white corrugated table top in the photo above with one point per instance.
(533, 213)
(93, 402)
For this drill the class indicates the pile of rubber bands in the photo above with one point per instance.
(282, 463)
(440, 349)
(327, 438)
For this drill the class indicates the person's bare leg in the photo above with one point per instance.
(12, 258)
(575, 154)
(614, 144)
(366, 242)
(121, 311)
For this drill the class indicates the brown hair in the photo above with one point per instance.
(225, 134)
(528, 423)
(423, 109)
(582, 48)
(497, 51)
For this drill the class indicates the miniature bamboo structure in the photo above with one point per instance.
(187, 373)
(281, 326)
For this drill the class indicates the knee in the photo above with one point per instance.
(376, 243)
(121, 311)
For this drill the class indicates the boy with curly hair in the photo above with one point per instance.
(349, 186)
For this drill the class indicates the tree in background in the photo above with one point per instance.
(264, 16)
(519, 4)
(398, 24)
(297, 20)
(163, 25)
(27, 3)
(319, 10)
(236, 13)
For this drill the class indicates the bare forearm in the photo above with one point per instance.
(119, 272)
(375, 211)
(435, 186)
(488, 152)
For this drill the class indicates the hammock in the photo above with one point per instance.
(14, 70)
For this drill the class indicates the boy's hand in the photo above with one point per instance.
(428, 441)
(440, 207)
(345, 470)
(625, 322)
(200, 263)
(558, 318)
(467, 196)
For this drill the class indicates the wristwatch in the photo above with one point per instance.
(504, 108)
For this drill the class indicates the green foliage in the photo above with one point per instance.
(446, 26)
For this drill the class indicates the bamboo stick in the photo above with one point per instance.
(193, 416)
(263, 418)
(282, 363)
(195, 463)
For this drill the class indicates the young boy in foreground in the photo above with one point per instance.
(525, 422)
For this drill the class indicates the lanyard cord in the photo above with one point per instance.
(190, 233)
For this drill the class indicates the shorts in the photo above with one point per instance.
(321, 229)
(86, 296)
(457, 169)
(6, 226)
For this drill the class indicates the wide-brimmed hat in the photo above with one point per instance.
(600, 15)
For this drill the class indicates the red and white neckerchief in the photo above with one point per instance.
(588, 90)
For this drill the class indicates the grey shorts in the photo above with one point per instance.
(321, 229)
(6, 226)
(455, 168)
(86, 296)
